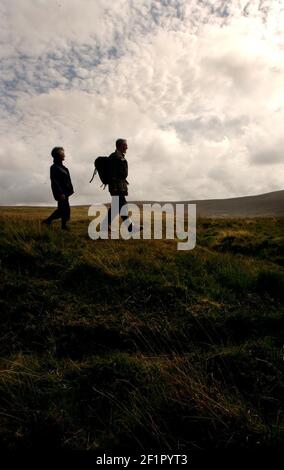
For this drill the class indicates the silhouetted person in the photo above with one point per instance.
(62, 188)
(118, 184)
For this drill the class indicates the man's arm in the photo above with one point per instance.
(123, 169)
(118, 169)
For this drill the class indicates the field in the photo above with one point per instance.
(115, 344)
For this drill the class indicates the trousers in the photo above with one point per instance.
(121, 201)
(62, 212)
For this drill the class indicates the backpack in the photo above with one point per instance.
(102, 168)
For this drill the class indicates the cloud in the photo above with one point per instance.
(196, 88)
(268, 156)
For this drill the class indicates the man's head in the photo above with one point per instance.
(121, 145)
(58, 154)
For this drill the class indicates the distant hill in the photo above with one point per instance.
(263, 205)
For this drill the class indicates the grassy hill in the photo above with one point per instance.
(262, 205)
(115, 344)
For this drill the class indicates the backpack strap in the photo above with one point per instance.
(95, 172)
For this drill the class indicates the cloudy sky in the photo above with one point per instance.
(196, 87)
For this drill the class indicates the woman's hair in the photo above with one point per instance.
(55, 152)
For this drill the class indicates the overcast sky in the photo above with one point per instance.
(196, 87)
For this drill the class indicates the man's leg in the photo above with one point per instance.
(109, 218)
(131, 227)
(110, 214)
(123, 202)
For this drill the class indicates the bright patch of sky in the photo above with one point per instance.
(196, 87)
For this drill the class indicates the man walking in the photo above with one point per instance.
(62, 188)
(118, 184)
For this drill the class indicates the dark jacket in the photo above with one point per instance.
(60, 181)
(118, 172)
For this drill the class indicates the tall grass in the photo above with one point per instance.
(131, 344)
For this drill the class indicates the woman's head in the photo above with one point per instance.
(58, 154)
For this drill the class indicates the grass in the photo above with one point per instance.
(116, 345)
